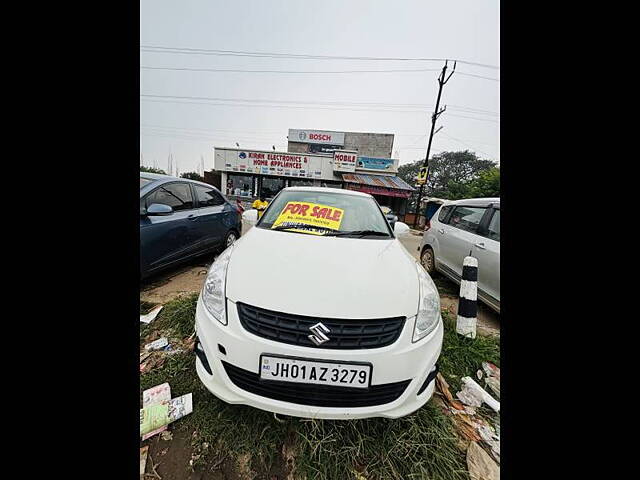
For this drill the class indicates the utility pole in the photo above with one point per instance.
(436, 113)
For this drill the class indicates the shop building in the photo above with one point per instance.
(350, 160)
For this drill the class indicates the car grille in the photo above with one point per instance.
(312, 394)
(351, 334)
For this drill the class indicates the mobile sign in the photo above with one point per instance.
(309, 217)
(344, 161)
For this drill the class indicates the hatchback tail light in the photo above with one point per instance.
(427, 225)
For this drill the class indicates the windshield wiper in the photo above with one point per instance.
(356, 233)
(300, 228)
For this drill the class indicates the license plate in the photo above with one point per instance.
(296, 370)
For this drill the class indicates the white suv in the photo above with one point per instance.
(466, 227)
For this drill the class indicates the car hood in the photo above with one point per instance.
(330, 277)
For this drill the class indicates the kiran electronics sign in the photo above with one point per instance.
(321, 137)
(273, 163)
(344, 161)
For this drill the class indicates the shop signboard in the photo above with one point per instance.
(263, 162)
(321, 137)
(374, 190)
(388, 165)
(344, 161)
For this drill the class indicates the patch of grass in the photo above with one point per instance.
(177, 316)
(420, 446)
(146, 307)
(461, 356)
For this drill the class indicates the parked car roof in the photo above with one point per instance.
(158, 179)
(476, 202)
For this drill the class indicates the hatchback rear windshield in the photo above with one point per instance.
(323, 213)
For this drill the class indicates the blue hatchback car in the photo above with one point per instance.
(181, 219)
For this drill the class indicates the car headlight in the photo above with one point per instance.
(213, 291)
(428, 307)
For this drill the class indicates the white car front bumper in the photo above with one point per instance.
(400, 361)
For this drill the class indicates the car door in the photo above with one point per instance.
(212, 211)
(165, 239)
(487, 250)
(457, 237)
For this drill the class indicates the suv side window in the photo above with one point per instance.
(467, 218)
(176, 195)
(493, 230)
(207, 197)
(444, 211)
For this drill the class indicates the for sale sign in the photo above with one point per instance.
(344, 161)
(309, 217)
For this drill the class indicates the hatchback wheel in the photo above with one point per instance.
(428, 261)
(231, 238)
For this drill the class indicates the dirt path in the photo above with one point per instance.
(172, 284)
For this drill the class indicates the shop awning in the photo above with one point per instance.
(378, 184)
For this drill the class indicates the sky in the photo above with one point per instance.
(186, 109)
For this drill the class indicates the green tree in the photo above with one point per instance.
(152, 170)
(450, 176)
(487, 184)
(192, 176)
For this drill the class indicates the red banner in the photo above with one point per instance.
(378, 190)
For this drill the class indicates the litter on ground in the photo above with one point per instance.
(480, 465)
(144, 451)
(158, 395)
(157, 344)
(474, 395)
(156, 416)
(149, 317)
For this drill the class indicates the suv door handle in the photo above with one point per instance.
(192, 217)
(481, 246)
(441, 231)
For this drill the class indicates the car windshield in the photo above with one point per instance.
(325, 213)
(145, 181)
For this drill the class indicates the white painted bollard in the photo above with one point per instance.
(468, 301)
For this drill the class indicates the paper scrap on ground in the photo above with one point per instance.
(153, 417)
(143, 459)
(492, 379)
(491, 370)
(149, 317)
(157, 344)
(144, 356)
(158, 395)
(473, 395)
(488, 434)
(480, 465)
(180, 406)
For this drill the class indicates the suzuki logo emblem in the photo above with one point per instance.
(318, 336)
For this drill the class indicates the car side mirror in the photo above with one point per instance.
(158, 209)
(250, 216)
(401, 229)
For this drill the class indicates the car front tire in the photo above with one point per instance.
(230, 239)
(427, 260)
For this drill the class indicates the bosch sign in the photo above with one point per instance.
(317, 136)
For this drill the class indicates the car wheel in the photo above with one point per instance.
(427, 259)
(230, 240)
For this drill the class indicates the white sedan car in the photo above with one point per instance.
(318, 311)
